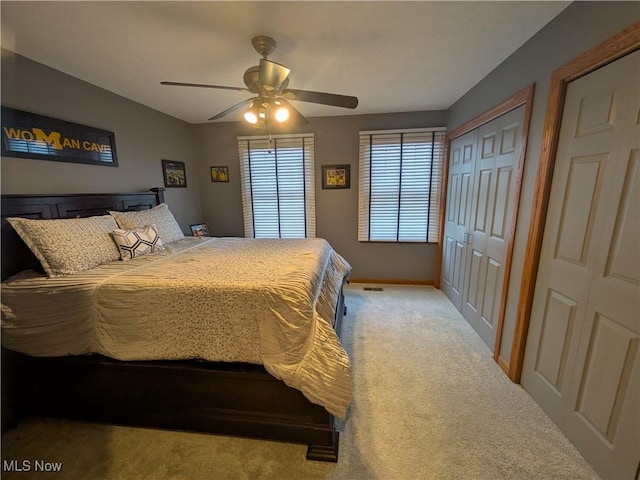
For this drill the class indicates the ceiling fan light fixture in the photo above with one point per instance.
(280, 112)
(253, 113)
(251, 117)
(269, 82)
(281, 115)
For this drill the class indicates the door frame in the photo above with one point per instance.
(522, 97)
(625, 42)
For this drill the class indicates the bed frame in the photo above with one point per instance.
(222, 398)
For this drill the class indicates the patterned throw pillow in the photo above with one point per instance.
(69, 245)
(135, 243)
(160, 216)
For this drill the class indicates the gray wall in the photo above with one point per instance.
(580, 27)
(336, 142)
(143, 137)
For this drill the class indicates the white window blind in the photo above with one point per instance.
(277, 179)
(400, 185)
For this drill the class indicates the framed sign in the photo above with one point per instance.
(174, 173)
(219, 174)
(28, 135)
(336, 176)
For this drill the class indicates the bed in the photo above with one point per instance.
(289, 388)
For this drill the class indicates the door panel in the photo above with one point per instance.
(462, 202)
(479, 213)
(491, 294)
(581, 202)
(624, 251)
(492, 213)
(612, 353)
(482, 200)
(557, 331)
(582, 363)
(473, 297)
(463, 151)
(458, 267)
(501, 202)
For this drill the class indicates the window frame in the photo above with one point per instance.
(408, 202)
(264, 143)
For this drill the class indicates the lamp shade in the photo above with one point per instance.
(279, 111)
(256, 114)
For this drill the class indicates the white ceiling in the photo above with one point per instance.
(394, 56)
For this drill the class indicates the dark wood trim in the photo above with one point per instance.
(16, 256)
(325, 453)
(522, 97)
(621, 44)
(211, 397)
(159, 191)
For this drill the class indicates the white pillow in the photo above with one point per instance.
(135, 243)
(69, 245)
(160, 216)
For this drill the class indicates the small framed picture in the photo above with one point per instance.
(336, 176)
(199, 230)
(174, 174)
(219, 174)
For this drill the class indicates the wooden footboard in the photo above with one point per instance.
(222, 398)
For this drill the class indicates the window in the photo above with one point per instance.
(277, 179)
(400, 185)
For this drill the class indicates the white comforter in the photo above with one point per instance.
(262, 301)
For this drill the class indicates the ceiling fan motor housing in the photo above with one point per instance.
(251, 77)
(264, 45)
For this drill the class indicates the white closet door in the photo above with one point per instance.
(492, 213)
(457, 215)
(481, 198)
(582, 363)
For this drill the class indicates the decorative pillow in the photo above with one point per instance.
(160, 216)
(135, 243)
(69, 245)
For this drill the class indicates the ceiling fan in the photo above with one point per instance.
(269, 81)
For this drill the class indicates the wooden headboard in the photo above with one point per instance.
(16, 256)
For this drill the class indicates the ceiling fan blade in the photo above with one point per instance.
(295, 117)
(232, 109)
(272, 74)
(323, 98)
(201, 85)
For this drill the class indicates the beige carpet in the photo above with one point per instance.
(429, 403)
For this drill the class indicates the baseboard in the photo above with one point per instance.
(392, 281)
